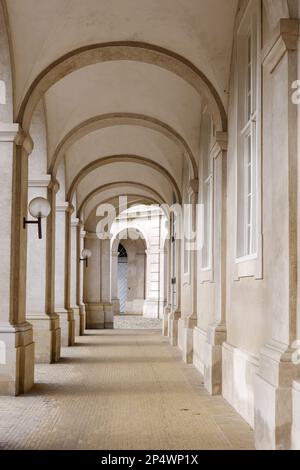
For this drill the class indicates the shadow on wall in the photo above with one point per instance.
(239, 371)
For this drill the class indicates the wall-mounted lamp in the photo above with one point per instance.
(86, 254)
(39, 208)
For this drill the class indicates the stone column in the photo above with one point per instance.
(71, 287)
(46, 331)
(216, 333)
(167, 308)
(80, 273)
(175, 313)
(151, 306)
(273, 386)
(92, 284)
(53, 188)
(114, 282)
(191, 321)
(162, 274)
(69, 278)
(61, 236)
(16, 336)
(105, 262)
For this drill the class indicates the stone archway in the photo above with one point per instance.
(129, 272)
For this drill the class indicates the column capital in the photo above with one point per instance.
(193, 187)
(62, 207)
(286, 39)
(8, 131)
(70, 208)
(54, 185)
(43, 182)
(91, 236)
(24, 141)
(220, 145)
(80, 224)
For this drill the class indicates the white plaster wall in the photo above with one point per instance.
(239, 370)
(199, 348)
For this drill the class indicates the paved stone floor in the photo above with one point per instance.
(120, 390)
(136, 322)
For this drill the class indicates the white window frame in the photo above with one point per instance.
(174, 261)
(187, 217)
(207, 272)
(249, 264)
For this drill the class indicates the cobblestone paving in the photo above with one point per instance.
(120, 390)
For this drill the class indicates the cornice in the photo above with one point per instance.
(220, 145)
(286, 40)
(8, 131)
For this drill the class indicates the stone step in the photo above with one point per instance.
(136, 322)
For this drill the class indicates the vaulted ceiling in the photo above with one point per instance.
(122, 78)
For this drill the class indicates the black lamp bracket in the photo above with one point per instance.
(38, 222)
(86, 261)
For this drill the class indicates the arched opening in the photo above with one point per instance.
(131, 273)
(122, 277)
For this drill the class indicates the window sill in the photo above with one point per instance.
(249, 266)
(206, 275)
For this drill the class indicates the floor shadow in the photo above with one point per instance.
(103, 333)
(114, 360)
(83, 389)
(104, 344)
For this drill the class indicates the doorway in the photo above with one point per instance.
(122, 277)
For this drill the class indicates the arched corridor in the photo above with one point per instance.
(120, 390)
(149, 229)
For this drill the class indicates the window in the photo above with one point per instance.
(248, 155)
(187, 239)
(173, 260)
(207, 194)
(247, 136)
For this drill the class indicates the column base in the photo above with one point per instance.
(151, 308)
(296, 416)
(94, 316)
(16, 359)
(67, 327)
(76, 313)
(108, 316)
(173, 326)
(82, 316)
(116, 306)
(46, 336)
(165, 323)
(189, 324)
(273, 397)
(216, 335)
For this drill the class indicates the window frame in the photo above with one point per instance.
(207, 181)
(248, 263)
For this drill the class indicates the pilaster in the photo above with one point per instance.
(46, 330)
(190, 322)
(16, 335)
(277, 370)
(217, 332)
(66, 316)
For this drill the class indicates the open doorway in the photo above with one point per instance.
(130, 272)
(122, 277)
